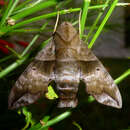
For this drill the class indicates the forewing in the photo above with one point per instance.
(47, 53)
(33, 82)
(98, 81)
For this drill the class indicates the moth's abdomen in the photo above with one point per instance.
(67, 94)
(67, 80)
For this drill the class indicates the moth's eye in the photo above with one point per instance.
(97, 69)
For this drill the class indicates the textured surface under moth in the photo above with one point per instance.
(65, 60)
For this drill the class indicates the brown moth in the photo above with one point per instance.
(67, 61)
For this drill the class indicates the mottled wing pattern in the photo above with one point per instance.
(34, 81)
(98, 81)
(73, 62)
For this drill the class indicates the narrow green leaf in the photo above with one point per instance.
(33, 40)
(28, 117)
(113, 5)
(56, 119)
(6, 58)
(38, 125)
(77, 125)
(13, 51)
(32, 8)
(96, 21)
(84, 16)
(22, 5)
(8, 11)
(13, 66)
(45, 16)
(26, 30)
(122, 77)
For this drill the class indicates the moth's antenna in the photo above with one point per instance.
(57, 19)
(79, 21)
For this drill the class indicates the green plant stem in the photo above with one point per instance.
(22, 5)
(97, 6)
(6, 58)
(103, 23)
(45, 16)
(43, 44)
(122, 77)
(96, 21)
(10, 8)
(123, 4)
(6, 13)
(38, 125)
(84, 16)
(27, 123)
(23, 23)
(56, 119)
(33, 40)
(28, 117)
(75, 22)
(18, 62)
(33, 8)
(13, 66)
(13, 51)
(105, 5)
(77, 125)
(25, 30)
(62, 4)
(52, 121)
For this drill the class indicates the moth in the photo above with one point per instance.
(67, 61)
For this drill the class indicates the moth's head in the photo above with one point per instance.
(66, 31)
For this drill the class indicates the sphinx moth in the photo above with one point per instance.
(67, 61)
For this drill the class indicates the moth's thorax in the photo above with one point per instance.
(66, 54)
(66, 36)
(66, 31)
(64, 51)
(67, 42)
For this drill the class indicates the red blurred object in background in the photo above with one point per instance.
(2, 2)
(24, 44)
(4, 43)
(4, 50)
